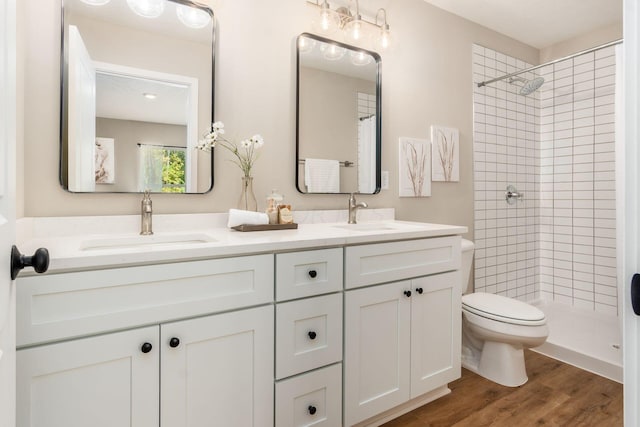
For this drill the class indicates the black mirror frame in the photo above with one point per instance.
(377, 58)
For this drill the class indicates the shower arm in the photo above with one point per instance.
(582, 52)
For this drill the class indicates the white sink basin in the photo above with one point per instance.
(368, 226)
(139, 242)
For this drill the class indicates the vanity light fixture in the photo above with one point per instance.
(356, 30)
(329, 20)
(95, 2)
(384, 39)
(193, 17)
(147, 8)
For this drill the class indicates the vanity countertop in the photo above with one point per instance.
(83, 251)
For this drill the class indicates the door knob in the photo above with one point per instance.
(39, 261)
(635, 293)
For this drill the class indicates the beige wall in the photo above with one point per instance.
(425, 80)
(585, 41)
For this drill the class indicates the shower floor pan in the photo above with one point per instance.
(589, 340)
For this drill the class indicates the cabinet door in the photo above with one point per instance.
(376, 362)
(104, 381)
(435, 331)
(218, 370)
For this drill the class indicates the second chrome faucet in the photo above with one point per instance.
(353, 208)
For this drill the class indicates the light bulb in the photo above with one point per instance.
(328, 22)
(96, 2)
(360, 58)
(384, 40)
(355, 32)
(192, 17)
(332, 52)
(306, 44)
(147, 8)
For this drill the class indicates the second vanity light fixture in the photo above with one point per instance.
(356, 30)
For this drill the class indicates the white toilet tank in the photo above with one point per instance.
(467, 260)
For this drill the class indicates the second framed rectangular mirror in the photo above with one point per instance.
(338, 117)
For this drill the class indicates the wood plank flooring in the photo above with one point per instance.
(556, 394)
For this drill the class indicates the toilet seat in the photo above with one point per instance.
(503, 309)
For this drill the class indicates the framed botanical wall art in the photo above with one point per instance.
(414, 167)
(445, 154)
(105, 161)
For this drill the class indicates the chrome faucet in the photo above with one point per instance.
(353, 208)
(146, 227)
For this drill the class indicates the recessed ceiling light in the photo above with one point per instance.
(150, 95)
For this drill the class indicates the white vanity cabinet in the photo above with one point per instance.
(402, 339)
(345, 330)
(103, 381)
(218, 370)
(214, 369)
(309, 338)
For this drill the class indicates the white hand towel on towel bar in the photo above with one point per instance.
(322, 175)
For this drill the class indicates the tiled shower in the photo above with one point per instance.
(556, 146)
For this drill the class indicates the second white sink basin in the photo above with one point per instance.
(155, 240)
(367, 226)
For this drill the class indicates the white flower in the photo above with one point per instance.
(218, 127)
(257, 140)
(244, 152)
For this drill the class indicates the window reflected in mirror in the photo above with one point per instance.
(338, 117)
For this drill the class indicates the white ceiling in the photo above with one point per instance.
(538, 23)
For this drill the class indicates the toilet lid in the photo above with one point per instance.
(502, 309)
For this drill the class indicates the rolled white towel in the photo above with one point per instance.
(239, 217)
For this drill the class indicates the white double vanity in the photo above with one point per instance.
(327, 325)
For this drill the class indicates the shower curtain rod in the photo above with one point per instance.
(582, 52)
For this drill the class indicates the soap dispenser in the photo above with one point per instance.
(273, 200)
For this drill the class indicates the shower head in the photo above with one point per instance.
(529, 86)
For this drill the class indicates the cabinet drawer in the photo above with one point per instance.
(314, 399)
(52, 307)
(387, 262)
(304, 274)
(308, 334)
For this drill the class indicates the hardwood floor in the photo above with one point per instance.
(556, 394)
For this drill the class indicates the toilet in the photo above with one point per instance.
(496, 330)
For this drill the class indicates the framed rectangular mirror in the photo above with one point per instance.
(136, 95)
(338, 117)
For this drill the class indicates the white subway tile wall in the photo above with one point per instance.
(506, 152)
(577, 190)
(574, 245)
